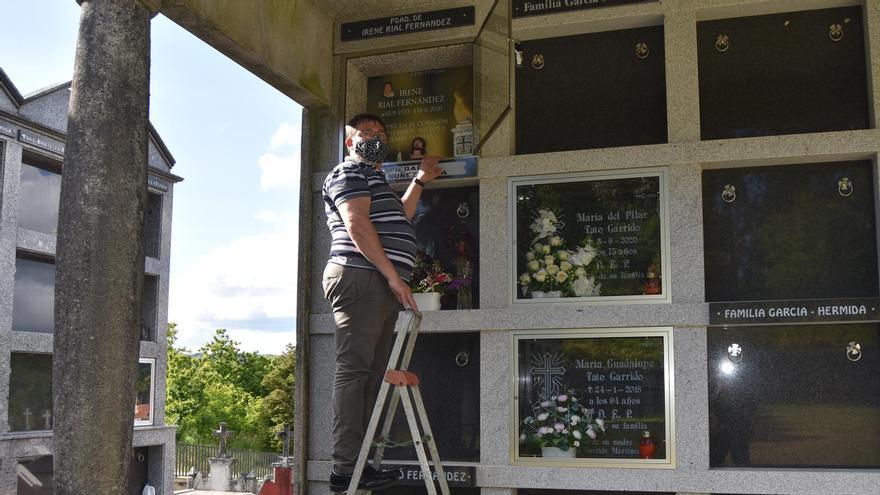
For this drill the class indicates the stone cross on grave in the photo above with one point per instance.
(285, 434)
(47, 415)
(27, 418)
(223, 434)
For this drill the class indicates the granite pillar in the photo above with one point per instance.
(100, 256)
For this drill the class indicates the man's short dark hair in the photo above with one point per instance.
(360, 119)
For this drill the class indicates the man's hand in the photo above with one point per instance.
(429, 169)
(402, 293)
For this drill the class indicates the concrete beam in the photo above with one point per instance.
(287, 44)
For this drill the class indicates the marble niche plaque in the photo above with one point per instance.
(795, 396)
(589, 237)
(593, 90)
(787, 73)
(790, 232)
(448, 367)
(603, 397)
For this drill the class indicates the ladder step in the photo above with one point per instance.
(401, 378)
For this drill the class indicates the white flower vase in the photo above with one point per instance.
(537, 294)
(553, 294)
(427, 301)
(559, 453)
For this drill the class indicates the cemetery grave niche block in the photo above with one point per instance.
(619, 376)
(790, 232)
(448, 367)
(592, 90)
(447, 224)
(589, 236)
(783, 74)
(794, 399)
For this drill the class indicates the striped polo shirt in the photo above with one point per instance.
(351, 179)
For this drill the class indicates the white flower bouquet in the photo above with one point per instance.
(560, 421)
(551, 267)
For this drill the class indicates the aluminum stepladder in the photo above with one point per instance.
(406, 390)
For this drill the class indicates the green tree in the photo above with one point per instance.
(185, 394)
(280, 381)
(220, 383)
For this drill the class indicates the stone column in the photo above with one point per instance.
(100, 256)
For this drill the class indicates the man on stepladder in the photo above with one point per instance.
(372, 253)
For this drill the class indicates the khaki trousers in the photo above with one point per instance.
(365, 312)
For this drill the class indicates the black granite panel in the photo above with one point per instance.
(137, 471)
(447, 224)
(448, 366)
(793, 398)
(593, 91)
(790, 233)
(782, 74)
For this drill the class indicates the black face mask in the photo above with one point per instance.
(372, 151)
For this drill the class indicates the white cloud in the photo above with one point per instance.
(281, 164)
(286, 135)
(247, 286)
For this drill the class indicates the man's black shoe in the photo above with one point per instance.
(340, 482)
(384, 474)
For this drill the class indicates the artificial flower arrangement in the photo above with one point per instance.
(562, 422)
(551, 267)
(429, 275)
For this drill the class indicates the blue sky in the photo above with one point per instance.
(236, 142)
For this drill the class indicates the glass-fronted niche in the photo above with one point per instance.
(590, 237)
(33, 300)
(447, 224)
(30, 392)
(804, 396)
(600, 397)
(783, 74)
(591, 90)
(448, 366)
(790, 232)
(35, 474)
(144, 405)
(39, 195)
(441, 101)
